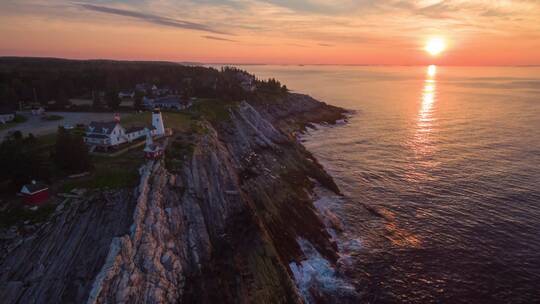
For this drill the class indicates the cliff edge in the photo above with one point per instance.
(229, 225)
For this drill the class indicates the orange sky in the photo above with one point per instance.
(477, 32)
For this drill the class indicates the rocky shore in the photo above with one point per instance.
(234, 224)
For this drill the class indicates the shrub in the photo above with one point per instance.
(19, 119)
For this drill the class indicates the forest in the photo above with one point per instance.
(52, 82)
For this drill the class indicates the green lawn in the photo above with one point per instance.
(214, 110)
(179, 121)
(110, 172)
(53, 117)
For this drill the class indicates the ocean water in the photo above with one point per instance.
(440, 168)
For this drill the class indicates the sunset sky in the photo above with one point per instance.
(476, 32)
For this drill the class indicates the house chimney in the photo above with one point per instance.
(116, 117)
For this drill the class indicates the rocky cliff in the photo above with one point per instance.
(228, 226)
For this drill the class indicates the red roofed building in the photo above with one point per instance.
(35, 193)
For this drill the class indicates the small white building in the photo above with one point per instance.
(112, 134)
(146, 88)
(172, 102)
(105, 134)
(134, 133)
(38, 111)
(6, 115)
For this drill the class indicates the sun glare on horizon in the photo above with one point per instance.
(435, 46)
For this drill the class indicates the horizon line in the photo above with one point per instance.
(274, 64)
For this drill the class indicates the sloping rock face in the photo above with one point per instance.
(223, 229)
(59, 262)
(293, 112)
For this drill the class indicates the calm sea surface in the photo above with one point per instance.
(441, 172)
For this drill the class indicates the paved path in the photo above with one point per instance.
(37, 126)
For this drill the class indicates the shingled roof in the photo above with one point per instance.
(101, 127)
(100, 136)
(34, 187)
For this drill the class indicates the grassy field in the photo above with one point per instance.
(214, 110)
(110, 172)
(53, 117)
(178, 121)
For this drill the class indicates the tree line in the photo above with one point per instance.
(41, 80)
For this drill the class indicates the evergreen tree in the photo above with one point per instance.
(96, 101)
(20, 161)
(113, 101)
(62, 100)
(138, 100)
(70, 153)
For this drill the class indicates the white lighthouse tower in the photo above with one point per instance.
(157, 122)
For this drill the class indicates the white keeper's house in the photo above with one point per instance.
(111, 134)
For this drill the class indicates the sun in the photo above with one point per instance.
(435, 46)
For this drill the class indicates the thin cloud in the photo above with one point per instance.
(155, 19)
(437, 10)
(218, 38)
(495, 13)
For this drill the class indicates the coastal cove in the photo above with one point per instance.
(439, 172)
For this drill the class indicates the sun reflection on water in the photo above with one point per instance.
(428, 98)
(422, 144)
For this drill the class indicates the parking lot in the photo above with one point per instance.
(38, 126)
